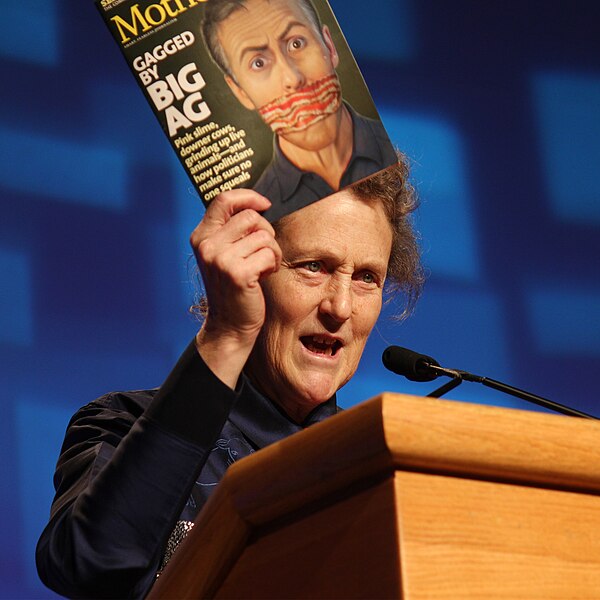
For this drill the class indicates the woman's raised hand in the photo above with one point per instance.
(235, 247)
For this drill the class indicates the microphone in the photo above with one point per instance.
(412, 365)
(420, 367)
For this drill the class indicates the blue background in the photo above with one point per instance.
(496, 103)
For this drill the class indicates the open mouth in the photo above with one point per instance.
(321, 344)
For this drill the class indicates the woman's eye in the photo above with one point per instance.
(296, 43)
(313, 266)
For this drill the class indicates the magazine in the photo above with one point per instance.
(262, 94)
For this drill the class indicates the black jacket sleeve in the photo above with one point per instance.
(123, 477)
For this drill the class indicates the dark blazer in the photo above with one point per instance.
(136, 467)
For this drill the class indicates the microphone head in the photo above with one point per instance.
(412, 365)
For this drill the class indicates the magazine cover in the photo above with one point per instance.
(263, 94)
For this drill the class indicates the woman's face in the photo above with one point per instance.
(323, 301)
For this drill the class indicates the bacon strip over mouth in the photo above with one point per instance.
(301, 109)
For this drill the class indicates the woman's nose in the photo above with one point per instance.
(337, 302)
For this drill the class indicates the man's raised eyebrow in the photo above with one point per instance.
(282, 35)
(291, 25)
(252, 50)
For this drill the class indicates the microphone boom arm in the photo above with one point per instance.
(459, 376)
(529, 397)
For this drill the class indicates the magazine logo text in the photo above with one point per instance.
(141, 21)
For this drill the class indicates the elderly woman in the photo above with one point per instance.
(290, 308)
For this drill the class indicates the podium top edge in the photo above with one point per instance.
(401, 432)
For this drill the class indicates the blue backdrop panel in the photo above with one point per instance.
(40, 20)
(565, 319)
(47, 169)
(388, 32)
(16, 318)
(442, 182)
(569, 129)
(39, 426)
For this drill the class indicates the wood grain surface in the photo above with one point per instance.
(480, 502)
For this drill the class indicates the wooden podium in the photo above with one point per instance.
(405, 497)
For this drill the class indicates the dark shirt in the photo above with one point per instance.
(289, 188)
(136, 464)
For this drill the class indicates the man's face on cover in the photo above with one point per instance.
(274, 53)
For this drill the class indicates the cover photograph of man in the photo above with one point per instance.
(279, 59)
